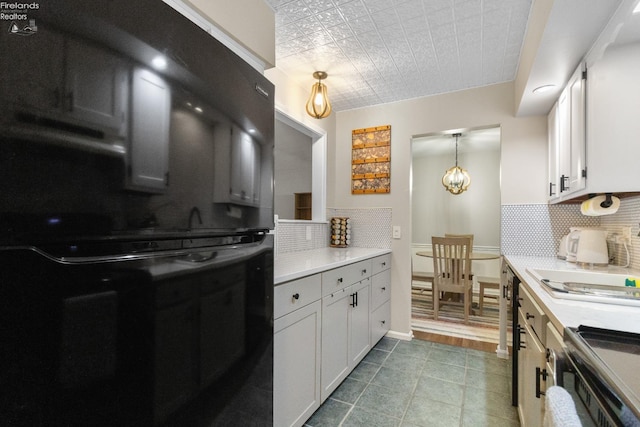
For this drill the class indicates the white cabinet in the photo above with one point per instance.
(613, 125)
(532, 373)
(323, 328)
(345, 322)
(297, 340)
(380, 297)
(345, 333)
(238, 167)
(567, 142)
(148, 153)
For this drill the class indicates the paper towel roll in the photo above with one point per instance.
(593, 206)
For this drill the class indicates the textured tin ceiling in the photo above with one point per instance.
(380, 51)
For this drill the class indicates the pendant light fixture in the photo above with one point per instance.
(456, 180)
(318, 105)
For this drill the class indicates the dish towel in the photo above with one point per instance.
(560, 411)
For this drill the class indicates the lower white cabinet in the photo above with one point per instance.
(296, 367)
(345, 333)
(531, 363)
(325, 324)
(380, 298)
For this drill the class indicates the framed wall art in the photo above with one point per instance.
(371, 160)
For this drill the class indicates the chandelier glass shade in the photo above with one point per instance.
(318, 105)
(456, 180)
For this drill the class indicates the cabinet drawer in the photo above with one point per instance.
(295, 294)
(380, 263)
(342, 277)
(380, 322)
(533, 315)
(380, 288)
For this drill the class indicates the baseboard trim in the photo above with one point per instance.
(400, 335)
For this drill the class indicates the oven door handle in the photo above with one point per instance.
(557, 363)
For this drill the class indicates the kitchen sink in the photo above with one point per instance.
(593, 286)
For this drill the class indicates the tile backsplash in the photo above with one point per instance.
(370, 228)
(536, 229)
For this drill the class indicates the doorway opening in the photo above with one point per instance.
(476, 211)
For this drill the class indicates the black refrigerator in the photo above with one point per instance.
(136, 205)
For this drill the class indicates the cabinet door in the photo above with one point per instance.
(578, 174)
(32, 70)
(531, 363)
(360, 337)
(96, 85)
(149, 139)
(296, 369)
(571, 135)
(335, 340)
(554, 137)
(175, 378)
(245, 168)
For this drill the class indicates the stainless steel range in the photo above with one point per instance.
(605, 366)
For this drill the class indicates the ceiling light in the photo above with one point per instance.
(318, 105)
(456, 180)
(543, 89)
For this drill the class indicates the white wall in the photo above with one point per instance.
(523, 162)
(435, 211)
(291, 99)
(251, 23)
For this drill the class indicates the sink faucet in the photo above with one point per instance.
(194, 212)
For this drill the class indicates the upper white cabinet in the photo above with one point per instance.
(238, 164)
(566, 121)
(613, 121)
(149, 139)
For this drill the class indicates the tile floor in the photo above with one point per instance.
(422, 384)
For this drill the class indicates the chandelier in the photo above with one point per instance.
(456, 180)
(318, 105)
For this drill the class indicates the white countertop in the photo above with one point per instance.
(564, 312)
(294, 265)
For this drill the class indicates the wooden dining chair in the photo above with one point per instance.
(470, 236)
(452, 271)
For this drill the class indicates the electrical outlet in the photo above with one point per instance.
(626, 233)
(396, 232)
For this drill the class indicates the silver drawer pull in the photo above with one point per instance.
(296, 296)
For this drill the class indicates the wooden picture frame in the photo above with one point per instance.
(371, 160)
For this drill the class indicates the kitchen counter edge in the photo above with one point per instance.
(295, 265)
(563, 313)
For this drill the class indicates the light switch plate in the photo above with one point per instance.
(397, 233)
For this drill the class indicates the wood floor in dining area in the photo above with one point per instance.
(481, 333)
